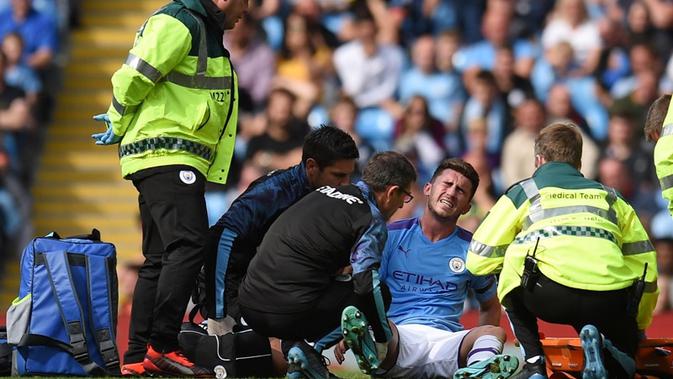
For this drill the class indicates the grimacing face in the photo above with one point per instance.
(450, 194)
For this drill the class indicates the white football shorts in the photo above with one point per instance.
(426, 352)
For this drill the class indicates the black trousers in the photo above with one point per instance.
(314, 323)
(558, 304)
(175, 227)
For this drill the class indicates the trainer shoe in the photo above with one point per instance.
(304, 362)
(355, 329)
(133, 369)
(497, 367)
(172, 364)
(592, 344)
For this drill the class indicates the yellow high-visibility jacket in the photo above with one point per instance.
(589, 237)
(663, 158)
(175, 97)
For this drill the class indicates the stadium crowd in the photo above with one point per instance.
(431, 79)
(476, 80)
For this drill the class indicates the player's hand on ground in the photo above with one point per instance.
(340, 351)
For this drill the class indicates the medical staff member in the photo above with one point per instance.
(174, 113)
(570, 251)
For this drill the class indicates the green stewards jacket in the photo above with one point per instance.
(589, 237)
(175, 97)
(663, 158)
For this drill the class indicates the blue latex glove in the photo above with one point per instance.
(107, 137)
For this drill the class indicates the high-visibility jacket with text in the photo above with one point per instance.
(589, 237)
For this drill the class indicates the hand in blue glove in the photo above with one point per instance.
(107, 137)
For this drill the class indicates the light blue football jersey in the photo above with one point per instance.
(428, 281)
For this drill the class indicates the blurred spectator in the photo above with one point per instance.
(642, 57)
(639, 99)
(386, 20)
(481, 55)
(336, 17)
(37, 30)
(484, 102)
(14, 109)
(447, 44)
(607, 9)
(442, 90)
(624, 145)
(17, 74)
(559, 106)
(559, 67)
(614, 173)
(414, 138)
(312, 11)
(268, 14)
(517, 161)
(477, 140)
(10, 219)
(304, 62)
(17, 126)
(15, 226)
(614, 61)
(343, 115)
(369, 73)
(570, 22)
(661, 12)
(484, 164)
(662, 237)
(254, 61)
(641, 30)
(513, 88)
(279, 146)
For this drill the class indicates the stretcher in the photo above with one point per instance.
(565, 358)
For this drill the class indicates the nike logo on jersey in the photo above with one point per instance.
(333, 193)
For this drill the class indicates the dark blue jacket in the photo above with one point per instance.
(236, 235)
